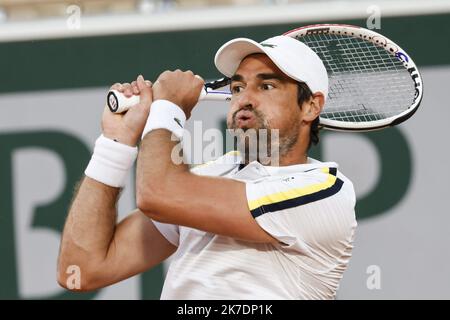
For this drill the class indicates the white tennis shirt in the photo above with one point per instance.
(309, 208)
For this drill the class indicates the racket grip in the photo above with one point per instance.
(118, 103)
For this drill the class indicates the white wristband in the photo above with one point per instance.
(165, 115)
(111, 162)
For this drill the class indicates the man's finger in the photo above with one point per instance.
(146, 91)
(117, 86)
(135, 87)
(127, 89)
(200, 78)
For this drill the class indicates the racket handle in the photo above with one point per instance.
(118, 103)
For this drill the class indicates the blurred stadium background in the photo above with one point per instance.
(58, 58)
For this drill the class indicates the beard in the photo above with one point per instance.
(261, 142)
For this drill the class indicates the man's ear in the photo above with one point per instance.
(313, 107)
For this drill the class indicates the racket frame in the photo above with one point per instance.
(380, 41)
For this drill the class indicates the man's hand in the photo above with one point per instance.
(181, 88)
(127, 128)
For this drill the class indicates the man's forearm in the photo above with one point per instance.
(157, 174)
(89, 226)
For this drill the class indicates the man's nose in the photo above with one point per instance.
(247, 99)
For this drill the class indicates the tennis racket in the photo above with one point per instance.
(373, 83)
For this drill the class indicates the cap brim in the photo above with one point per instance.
(230, 55)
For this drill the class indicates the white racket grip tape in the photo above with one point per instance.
(111, 162)
(118, 103)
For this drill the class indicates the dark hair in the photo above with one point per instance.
(304, 94)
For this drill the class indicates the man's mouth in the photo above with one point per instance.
(245, 118)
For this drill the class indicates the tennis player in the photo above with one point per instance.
(238, 228)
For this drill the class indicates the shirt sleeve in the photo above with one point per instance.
(170, 231)
(304, 209)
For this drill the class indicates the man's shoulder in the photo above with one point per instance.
(325, 177)
(220, 166)
(346, 189)
(333, 166)
(312, 168)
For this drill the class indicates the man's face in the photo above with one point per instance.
(263, 97)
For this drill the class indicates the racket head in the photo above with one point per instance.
(373, 82)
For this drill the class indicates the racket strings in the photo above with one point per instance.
(366, 83)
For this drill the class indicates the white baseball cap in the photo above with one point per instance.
(291, 56)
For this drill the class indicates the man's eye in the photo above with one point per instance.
(267, 86)
(236, 89)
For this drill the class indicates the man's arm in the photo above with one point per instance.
(105, 252)
(216, 205)
(168, 192)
